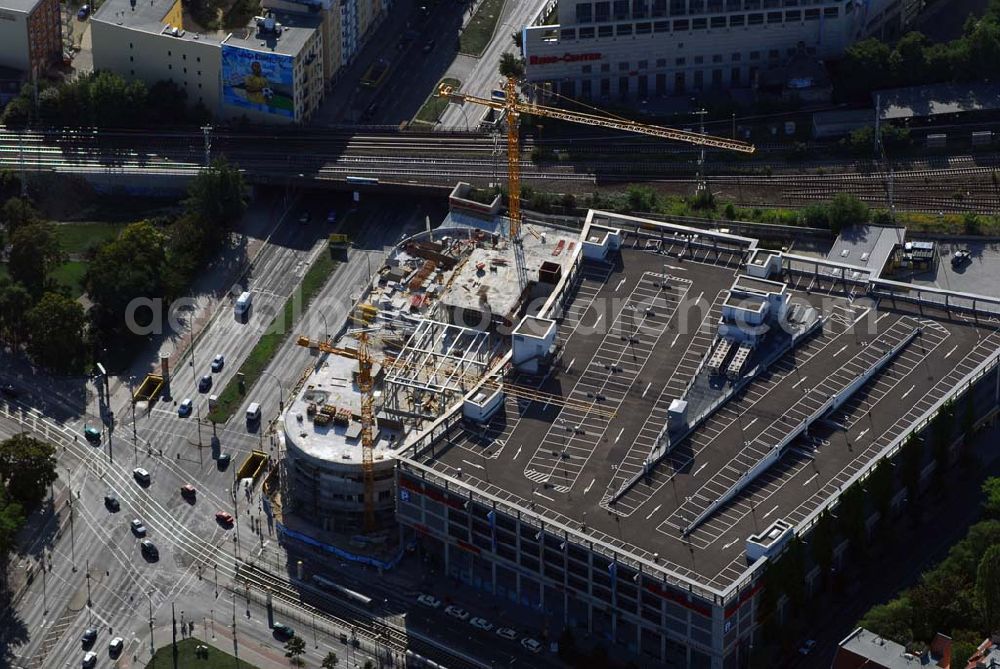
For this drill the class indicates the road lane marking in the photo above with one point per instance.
(653, 511)
(473, 464)
(587, 489)
(544, 496)
(810, 480)
(621, 283)
(647, 388)
(699, 469)
(862, 433)
(619, 435)
(676, 337)
(726, 546)
(570, 365)
(518, 453)
(799, 382)
(840, 350)
(773, 509)
(908, 391)
(951, 351)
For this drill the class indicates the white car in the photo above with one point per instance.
(507, 633)
(427, 600)
(481, 624)
(116, 646)
(457, 612)
(138, 529)
(531, 645)
(89, 660)
(807, 647)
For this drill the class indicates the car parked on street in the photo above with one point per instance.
(457, 612)
(508, 633)
(205, 383)
(92, 434)
(141, 475)
(115, 646)
(481, 624)
(149, 550)
(427, 600)
(89, 660)
(283, 631)
(218, 362)
(89, 637)
(83, 13)
(961, 258)
(184, 408)
(138, 529)
(188, 491)
(111, 503)
(531, 645)
(224, 518)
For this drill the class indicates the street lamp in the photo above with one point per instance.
(281, 395)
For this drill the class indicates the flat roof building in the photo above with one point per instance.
(31, 34)
(638, 50)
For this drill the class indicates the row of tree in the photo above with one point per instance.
(871, 64)
(27, 469)
(153, 259)
(103, 100)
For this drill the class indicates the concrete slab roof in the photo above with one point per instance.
(631, 340)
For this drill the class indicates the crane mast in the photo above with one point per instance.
(365, 385)
(512, 107)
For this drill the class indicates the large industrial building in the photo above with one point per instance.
(31, 32)
(276, 69)
(617, 428)
(617, 49)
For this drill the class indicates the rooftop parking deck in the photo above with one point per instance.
(633, 336)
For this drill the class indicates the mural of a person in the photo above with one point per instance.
(255, 83)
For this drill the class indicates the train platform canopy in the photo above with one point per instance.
(866, 246)
(927, 101)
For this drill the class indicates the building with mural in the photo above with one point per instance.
(276, 69)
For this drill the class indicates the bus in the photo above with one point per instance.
(327, 585)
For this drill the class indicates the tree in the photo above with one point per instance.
(293, 648)
(815, 216)
(217, 198)
(27, 468)
(123, 270)
(511, 66)
(909, 58)
(15, 301)
(50, 107)
(891, 620)
(18, 212)
(330, 661)
(822, 542)
(846, 210)
(112, 101)
(961, 653)
(866, 67)
(517, 37)
(991, 505)
(34, 252)
(56, 326)
(17, 113)
(640, 198)
(988, 588)
(11, 522)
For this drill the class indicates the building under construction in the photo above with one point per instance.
(617, 428)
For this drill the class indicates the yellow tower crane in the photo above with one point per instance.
(512, 107)
(365, 385)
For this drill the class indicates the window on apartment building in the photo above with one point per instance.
(169, 53)
(714, 6)
(643, 28)
(812, 15)
(623, 66)
(643, 64)
(737, 57)
(733, 5)
(184, 56)
(130, 45)
(751, 4)
(793, 15)
(737, 20)
(734, 76)
(678, 7)
(640, 9)
(661, 62)
(584, 12)
(661, 26)
(773, 54)
(586, 33)
(131, 59)
(132, 72)
(681, 24)
(624, 29)
(699, 24)
(755, 19)
(170, 67)
(771, 4)
(831, 12)
(718, 22)
(605, 31)
(605, 67)
(197, 59)
(755, 55)
(699, 80)
(620, 9)
(696, 6)
(717, 78)
(717, 58)
(602, 12)
(586, 69)
(659, 8)
(699, 60)
(567, 34)
(199, 73)
(774, 17)
(793, 3)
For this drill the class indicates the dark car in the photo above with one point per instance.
(283, 631)
(112, 503)
(428, 46)
(92, 434)
(83, 13)
(8, 390)
(218, 362)
(205, 383)
(149, 549)
(89, 637)
(223, 461)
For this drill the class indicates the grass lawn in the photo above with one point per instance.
(260, 357)
(71, 276)
(435, 106)
(479, 31)
(78, 237)
(186, 659)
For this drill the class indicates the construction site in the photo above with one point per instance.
(617, 427)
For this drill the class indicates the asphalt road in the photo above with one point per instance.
(123, 586)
